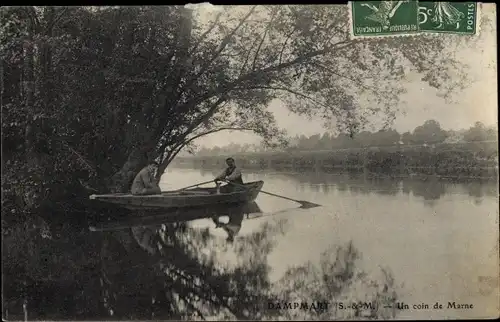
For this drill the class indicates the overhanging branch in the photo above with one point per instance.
(291, 91)
(211, 111)
(262, 41)
(270, 69)
(357, 81)
(284, 45)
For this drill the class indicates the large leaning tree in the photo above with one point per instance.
(143, 82)
(90, 94)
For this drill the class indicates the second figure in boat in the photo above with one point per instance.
(144, 182)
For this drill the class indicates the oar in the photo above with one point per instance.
(303, 203)
(195, 185)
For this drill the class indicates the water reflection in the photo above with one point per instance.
(426, 187)
(181, 272)
(429, 188)
(174, 270)
(315, 187)
(229, 218)
(154, 217)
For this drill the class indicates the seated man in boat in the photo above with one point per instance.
(232, 174)
(145, 182)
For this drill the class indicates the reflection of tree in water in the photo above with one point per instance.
(204, 171)
(326, 188)
(336, 277)
(180, 276)
(342, 186)
(476, 191)
(314, 187)
(406, 186)
(384, 185)
(429, 189)
(350, 181)
(184, 277)
(317, 178)
(433, 188)
(362, 189)
(56, 273)
(90, 276)
(490, 189)
(359, 183)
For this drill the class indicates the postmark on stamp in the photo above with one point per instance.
(448, 17)
(379, 18)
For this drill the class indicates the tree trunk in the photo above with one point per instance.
(185, 30)
(29, 88)
(180, 68)
(46, 59)
(163, 166)
(121, 181)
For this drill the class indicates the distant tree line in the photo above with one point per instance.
(428, 133)
(230, 148)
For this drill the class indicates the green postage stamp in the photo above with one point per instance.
(385, 18)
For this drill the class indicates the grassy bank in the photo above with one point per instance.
(448, 160)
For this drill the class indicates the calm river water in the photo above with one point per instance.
(439, 239)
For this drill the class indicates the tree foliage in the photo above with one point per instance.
(479, 132)
(428, 133)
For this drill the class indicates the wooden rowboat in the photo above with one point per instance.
(184, 199)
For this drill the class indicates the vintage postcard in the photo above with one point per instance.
(256, 162)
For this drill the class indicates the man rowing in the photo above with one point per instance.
(144, 182)
(231, 175)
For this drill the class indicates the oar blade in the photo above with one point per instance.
(303, 204)
(307, 204)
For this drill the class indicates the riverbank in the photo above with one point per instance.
(448, 161)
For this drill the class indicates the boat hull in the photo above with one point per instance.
(187, 199)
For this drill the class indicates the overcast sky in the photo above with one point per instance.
(420, 103)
